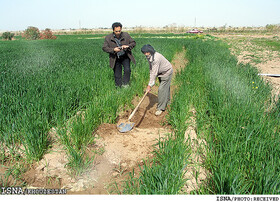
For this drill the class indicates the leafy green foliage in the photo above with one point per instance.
(47, 34)
(8, 35)
(31, 33)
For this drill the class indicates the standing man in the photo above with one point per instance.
(159, 67)
(119, 45)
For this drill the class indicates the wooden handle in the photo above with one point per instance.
(132, 114)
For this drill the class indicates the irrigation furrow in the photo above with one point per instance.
(195, 172)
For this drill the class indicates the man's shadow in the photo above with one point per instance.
(153, 99)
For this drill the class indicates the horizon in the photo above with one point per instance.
(93, 14)
(228, 27)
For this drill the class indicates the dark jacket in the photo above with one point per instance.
(110, 44)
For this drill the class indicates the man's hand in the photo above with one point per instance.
(117, 49)
(148, 89)
(125, 46)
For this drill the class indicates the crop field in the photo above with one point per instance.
(58, 96)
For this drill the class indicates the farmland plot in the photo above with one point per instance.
(61, 83)
(231, 115)
(231, 104)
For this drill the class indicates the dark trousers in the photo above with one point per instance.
(119, 78)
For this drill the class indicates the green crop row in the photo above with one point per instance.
(235, 116)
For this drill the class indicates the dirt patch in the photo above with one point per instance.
(116, 154)
(51, 171)
(271, 67)
(195, 171)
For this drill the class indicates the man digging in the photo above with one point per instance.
(159, 67)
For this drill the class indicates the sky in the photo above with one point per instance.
(17, 15)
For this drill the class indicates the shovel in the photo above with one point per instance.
(127, 126)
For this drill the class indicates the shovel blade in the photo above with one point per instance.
(125, 127)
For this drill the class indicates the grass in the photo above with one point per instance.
(241, 136)
(231, 103)
(273, 44)
(163, 174)
(66, 84)
(45, 83)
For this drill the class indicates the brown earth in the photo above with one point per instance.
(117, 153)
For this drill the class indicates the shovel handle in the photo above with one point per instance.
(132, 114)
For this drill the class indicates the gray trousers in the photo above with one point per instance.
(164, 92)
